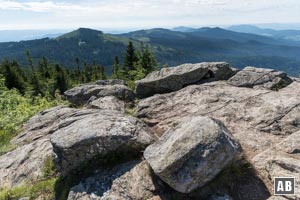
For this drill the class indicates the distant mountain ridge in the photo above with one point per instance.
(170, 47)
(293, 35)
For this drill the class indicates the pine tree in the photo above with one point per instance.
(116, 66)
(45, 65)
(102, 73)
(13, 79)
(148, 60)
(61, 82)
(35, 81)
(130, 57)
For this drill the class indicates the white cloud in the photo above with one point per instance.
(150, 13)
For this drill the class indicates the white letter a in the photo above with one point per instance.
(280, 187)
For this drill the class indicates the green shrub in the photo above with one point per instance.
(15, 109)
(43, 190)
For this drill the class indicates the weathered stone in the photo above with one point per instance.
(111, 82)
(131, 180)
(262, 78)
(98, 135)
(43, 124)
(246, 112)
(138, 183)
(96, 185)
(24, 163)
(173, 79)
(192, 154)
(258, 118)
(107, 103)
(80, 95)
(281, 160)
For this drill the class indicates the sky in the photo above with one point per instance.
(141, 14)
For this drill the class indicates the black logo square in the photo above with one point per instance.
(284, 186)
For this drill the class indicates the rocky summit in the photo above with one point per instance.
(197, 131)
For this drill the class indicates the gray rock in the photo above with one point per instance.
(192, 154)
(258, 118)
(107, 103)
(281, 160)
(100, 182)
(80, 95)
(246, 112)
(24, 164)
(136, 184)
(43, 124)
(173, 79)
(259, 77)
(111, 82)
(98, 135)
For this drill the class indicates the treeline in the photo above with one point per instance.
(49, 80)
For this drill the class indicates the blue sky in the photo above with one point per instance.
(137, 14)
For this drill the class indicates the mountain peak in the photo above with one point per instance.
(81, 33)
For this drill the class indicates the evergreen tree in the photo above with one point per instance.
(148, 60)
(130, 57)
(13, 78)
(116, 65)
(61, 82)
(102, 73)
(35, 81)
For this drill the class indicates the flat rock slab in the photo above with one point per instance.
(192, 154)
(260, 78)
(111, 82)
(24, 164)
(107, 103)
(282, 160)
(80, 95)
(97, 135)
(44, 123)
(173, 79)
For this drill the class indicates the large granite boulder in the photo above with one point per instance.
(192, 154)
(33, 147)
(98, 135)
(81, 95)
(259, 77)
(173, 79)
(24, 164)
